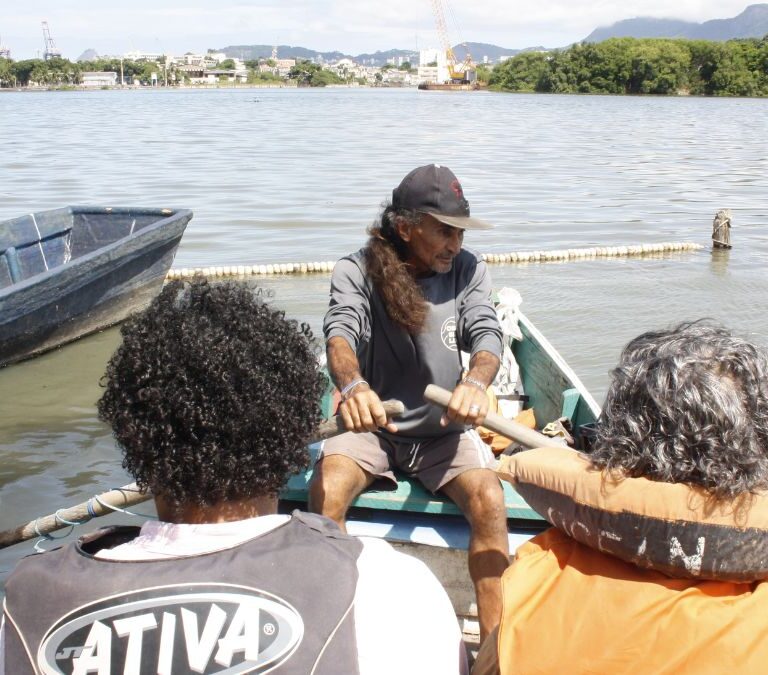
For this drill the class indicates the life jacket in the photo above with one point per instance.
(281, 602)
(640, 576)
(571, 609)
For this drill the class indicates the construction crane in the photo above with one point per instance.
(50, 51)
(5, 52)
(459, 72)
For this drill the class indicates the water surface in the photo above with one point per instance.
(296, 175)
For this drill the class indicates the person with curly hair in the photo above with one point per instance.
(687, 408)
(402, 309)
(212, 398)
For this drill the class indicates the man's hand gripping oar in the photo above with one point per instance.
(495, 422)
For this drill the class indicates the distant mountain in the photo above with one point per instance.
(253, 52)
(751, 23)
(480, 50)
(381, 58)
(88, 55)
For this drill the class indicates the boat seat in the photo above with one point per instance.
(10, 272)
(33, 244)
(30, 230)
(409, 496)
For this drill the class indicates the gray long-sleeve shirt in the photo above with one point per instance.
(399, 365)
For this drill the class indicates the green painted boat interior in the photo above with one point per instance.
(550, 393)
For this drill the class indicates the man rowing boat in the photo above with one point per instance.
(401, 311)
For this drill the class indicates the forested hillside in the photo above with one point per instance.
(642, 66)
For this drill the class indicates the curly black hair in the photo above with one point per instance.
(688, 405)
(212, 395)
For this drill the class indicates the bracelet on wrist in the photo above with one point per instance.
(348, 389)
(475, 383)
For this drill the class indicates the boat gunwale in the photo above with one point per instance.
(142, 237)
(562, 365)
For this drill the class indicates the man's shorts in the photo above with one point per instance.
(434, 461)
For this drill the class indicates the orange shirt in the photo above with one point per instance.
(570, 609)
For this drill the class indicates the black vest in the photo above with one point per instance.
(281, 602)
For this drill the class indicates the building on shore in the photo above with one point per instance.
(433, 66)
(281, 67)
(200, 74)
(144, 56)
(427, 75)
(99, 79)
(215, 76)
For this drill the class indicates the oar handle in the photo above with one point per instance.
(129, 495)
(495, 422)
(335, 425)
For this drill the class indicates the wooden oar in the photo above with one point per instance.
(129, 495)
(495, 422)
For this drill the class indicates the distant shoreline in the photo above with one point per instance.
(202, 87)
(70, 88)
(143, 88)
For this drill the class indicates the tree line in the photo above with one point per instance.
(62, 72)
(641, 66)
(59, 72)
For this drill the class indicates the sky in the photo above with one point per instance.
(350, 26)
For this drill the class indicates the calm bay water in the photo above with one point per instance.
(296, 175)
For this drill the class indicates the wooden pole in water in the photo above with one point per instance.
(130, 495)
(721, 229)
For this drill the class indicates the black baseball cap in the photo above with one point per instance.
(435, 190)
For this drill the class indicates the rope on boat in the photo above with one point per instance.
(120, 498)
(559, 255)
(102, 504)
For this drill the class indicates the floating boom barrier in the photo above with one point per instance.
(559, 255)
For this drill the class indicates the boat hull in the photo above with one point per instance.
(98, 288)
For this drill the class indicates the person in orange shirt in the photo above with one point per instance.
(686, 414)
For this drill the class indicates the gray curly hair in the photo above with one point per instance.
(688, 405)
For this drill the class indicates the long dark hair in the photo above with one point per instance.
(385, 256)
